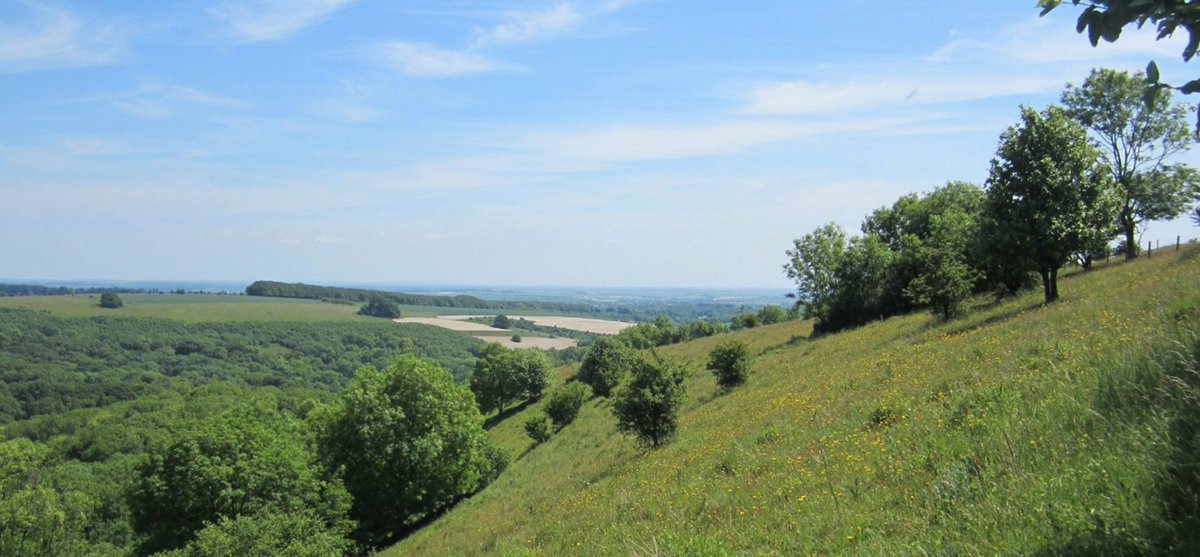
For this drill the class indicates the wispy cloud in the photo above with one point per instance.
(1033, 57)
(642, 142)
(159, 100)
(532, 25)
(52, 38)
(1052, 40)
(425, 60)
(828, 96)
(272, 20)
(419, 59)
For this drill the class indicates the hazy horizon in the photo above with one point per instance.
(587, 142)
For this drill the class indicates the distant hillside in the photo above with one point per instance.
(642, 310)
(1021, 428)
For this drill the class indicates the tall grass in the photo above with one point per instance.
(1021, 428)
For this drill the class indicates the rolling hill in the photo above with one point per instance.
(1020, 428)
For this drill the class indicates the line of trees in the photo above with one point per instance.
(1065, 182)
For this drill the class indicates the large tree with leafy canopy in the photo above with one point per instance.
(407, 441)
(1047, 197)
(1137, 128)
(244, 461)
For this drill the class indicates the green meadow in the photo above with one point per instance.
(1020, 428)
(211, 308)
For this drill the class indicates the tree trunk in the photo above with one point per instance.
(1046, 284)
(1053, 285)
(1129, 227)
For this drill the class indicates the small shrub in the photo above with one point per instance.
(110, 300)
(649, 406)
(605, 365)
(516, 338)
(539, 428)
(564, 403)
(496, 459)
(730, 363)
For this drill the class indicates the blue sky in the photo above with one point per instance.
(589, 142)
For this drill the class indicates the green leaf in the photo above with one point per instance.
(1190, 87)
(1152, 72)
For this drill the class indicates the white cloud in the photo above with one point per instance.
(533, 25)
(52, 38)
(272, 20)
(425, 60)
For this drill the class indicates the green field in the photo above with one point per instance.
(1021, 428)
(210, 307)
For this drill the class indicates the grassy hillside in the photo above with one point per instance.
(1020, 428)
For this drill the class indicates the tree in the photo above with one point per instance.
(946, 278)
(501, 322)
(771, 314)
(407, 441)
(813, 262)
(565, 402)
(1046, 195)
(649, 406)
(532, 371)
(267, 533)
(236, 463)
(111, 300)
(1104, 19)
(378, 306)
(730, 363)
(503, 376)
(605, 365)
(866, 290)
(36, 520)
(538, 428)
(1136, 128)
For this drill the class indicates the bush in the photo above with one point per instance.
(379, 306)
(516, 338)
(267, 533)
(605, 365)
(730, 363)
(110, 300)
(497, 461)
(565, 402)
(502, 322)
(649, 406)
(539, 428)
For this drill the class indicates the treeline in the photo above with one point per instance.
(52, 364)
(39, 290)
(1065, 182)
(312, 292)
(681, 311)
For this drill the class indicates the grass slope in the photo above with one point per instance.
(1006, 431)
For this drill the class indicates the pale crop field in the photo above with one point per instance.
(451, 322)
(557, 343)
